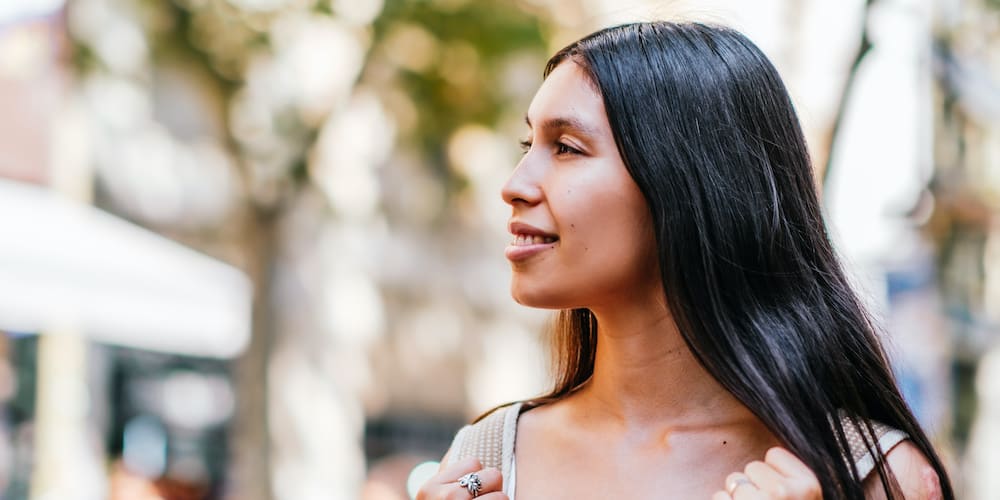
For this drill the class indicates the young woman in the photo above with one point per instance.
(709, 345)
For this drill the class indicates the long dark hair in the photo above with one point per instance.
(709, 134)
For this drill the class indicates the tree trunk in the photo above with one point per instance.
(250, 444)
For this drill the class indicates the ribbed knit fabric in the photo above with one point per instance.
(886, 438)
(491, 440)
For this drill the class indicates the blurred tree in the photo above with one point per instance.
(226, 100)
(453, 71)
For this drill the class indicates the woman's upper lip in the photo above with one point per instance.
(518, 227)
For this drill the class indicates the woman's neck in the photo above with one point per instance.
(645, 374)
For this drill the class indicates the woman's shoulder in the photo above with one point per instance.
(492, 437)
(545, 418)
(914, 474)
(916, 477)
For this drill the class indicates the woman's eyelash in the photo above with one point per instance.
(561, 148)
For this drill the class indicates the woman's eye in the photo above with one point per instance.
(562, 149)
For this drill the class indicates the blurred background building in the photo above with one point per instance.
(252, 249)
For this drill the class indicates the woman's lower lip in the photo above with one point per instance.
(520, 252)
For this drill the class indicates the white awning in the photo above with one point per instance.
(69, 266)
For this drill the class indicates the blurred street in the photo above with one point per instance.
(253, 249)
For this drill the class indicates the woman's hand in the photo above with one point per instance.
(780, 476)
(445, 485)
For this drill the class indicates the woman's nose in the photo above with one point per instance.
(522, 186)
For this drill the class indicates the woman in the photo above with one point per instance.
(708, 344)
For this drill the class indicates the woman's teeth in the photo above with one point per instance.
(527, 239)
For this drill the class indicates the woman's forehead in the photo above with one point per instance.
(567, 100)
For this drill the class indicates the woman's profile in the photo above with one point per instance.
(708, 344)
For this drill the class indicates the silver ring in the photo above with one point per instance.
(472, 483)
(736, 483)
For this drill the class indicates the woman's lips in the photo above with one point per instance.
(527, 245)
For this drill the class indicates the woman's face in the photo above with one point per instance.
(582, 235)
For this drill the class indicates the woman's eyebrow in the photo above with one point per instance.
(566, 123)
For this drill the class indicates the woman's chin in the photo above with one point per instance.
(537, 297)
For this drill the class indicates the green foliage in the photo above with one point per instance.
(496, 30)
(468, 52)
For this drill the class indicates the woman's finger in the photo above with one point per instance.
(766, 478)
(452, 472)
(741, 487)
(786, 463)
(800, 481)
(780, 476)
(449, 487)
(496, 495)
(490, 480)
(445, 484)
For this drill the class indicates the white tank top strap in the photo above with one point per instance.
(885, 438)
